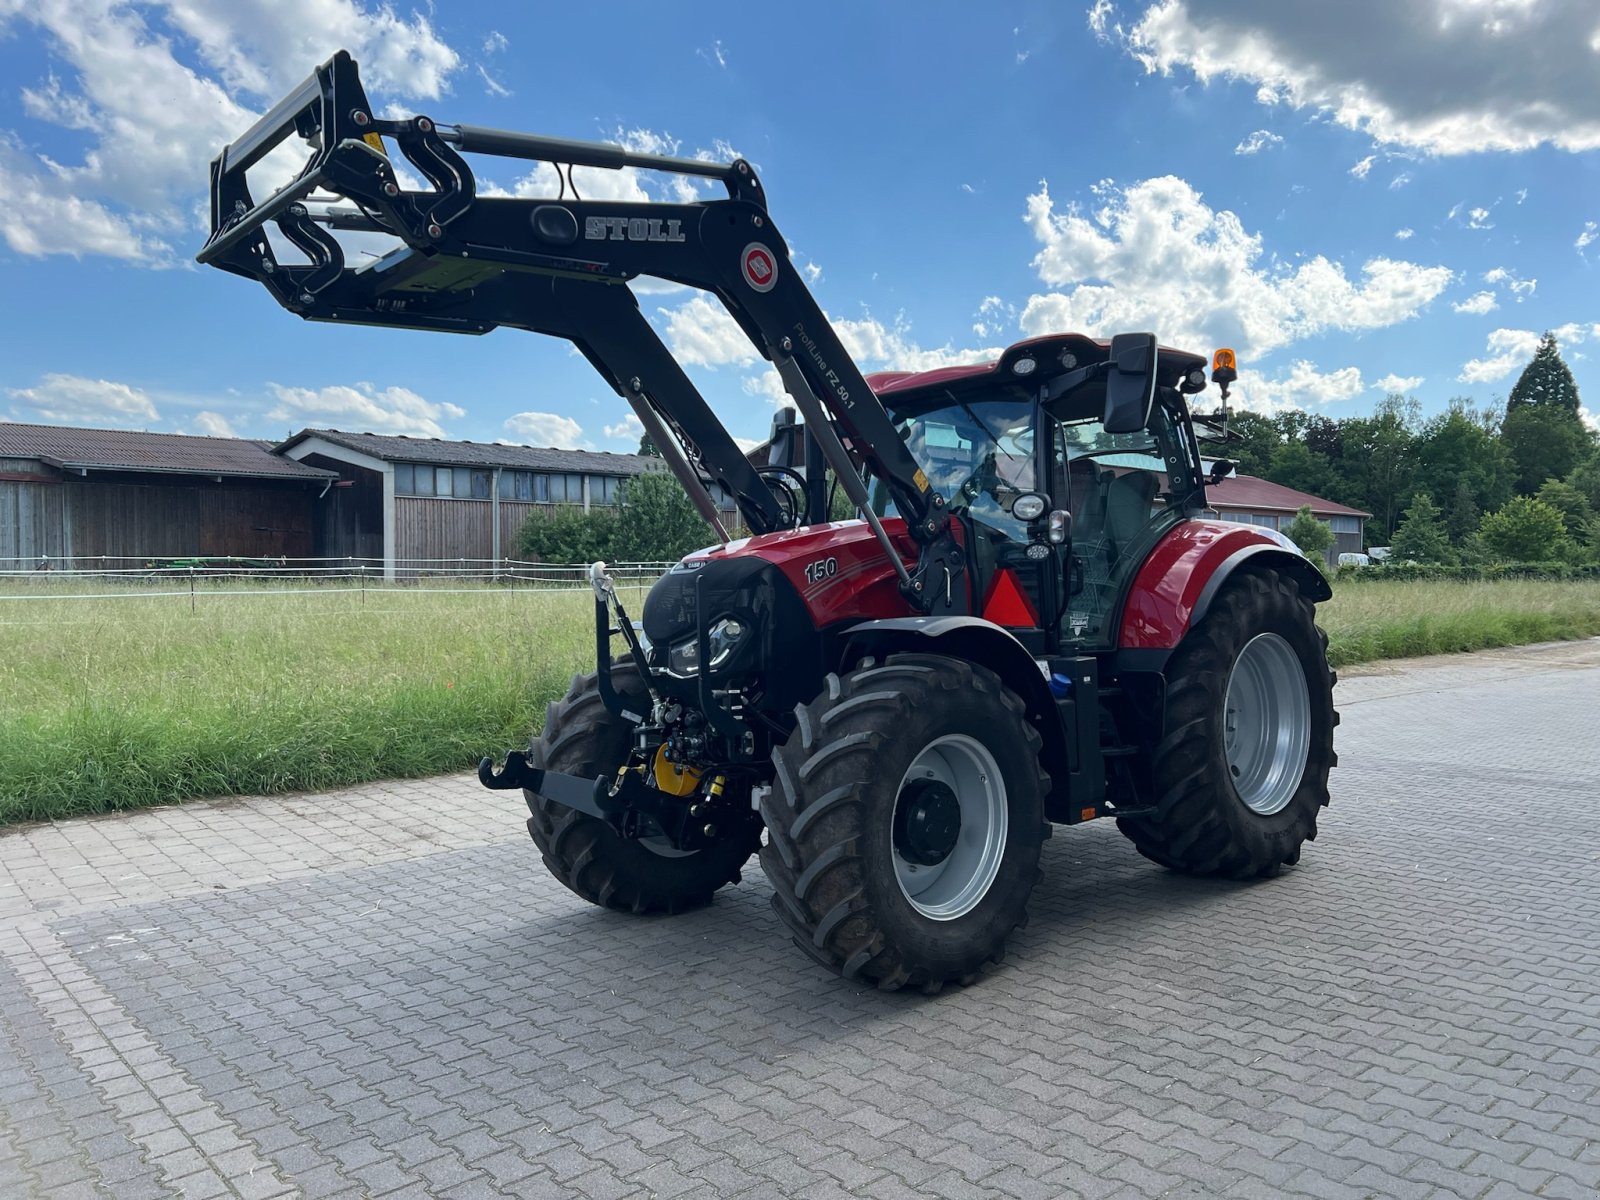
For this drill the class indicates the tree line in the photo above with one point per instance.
(1468, 486)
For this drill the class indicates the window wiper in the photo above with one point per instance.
(976, 420)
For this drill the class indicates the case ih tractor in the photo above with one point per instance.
(1029, 624)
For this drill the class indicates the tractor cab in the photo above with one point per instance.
(1014, 445)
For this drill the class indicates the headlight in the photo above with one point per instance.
(723, 637)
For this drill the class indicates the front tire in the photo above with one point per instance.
(905, 822)
(588, 856)
(1242, 769)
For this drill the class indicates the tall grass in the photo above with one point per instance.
(114, 704)
(1377, 619)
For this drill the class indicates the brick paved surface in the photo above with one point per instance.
(380, 992)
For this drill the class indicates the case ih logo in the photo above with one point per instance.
(760, 267)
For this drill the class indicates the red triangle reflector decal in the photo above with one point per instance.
(1008, 604)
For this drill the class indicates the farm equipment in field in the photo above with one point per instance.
(1029, 624)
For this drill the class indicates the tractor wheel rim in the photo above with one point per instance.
(1267, 724)
(955, 886)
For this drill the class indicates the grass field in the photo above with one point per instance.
(113, 704)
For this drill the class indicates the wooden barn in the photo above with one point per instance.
(411, 502)
(85, 493)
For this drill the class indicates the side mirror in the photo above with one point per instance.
(1131, 386)
(783, 448)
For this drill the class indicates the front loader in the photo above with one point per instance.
(1030, 623)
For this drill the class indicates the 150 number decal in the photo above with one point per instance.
(823, 568)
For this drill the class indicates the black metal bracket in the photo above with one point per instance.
(466, 260)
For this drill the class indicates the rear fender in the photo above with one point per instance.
(977, 641)
(1182, 576)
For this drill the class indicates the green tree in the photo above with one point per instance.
(647, 447)
(1525, 530)
(1545, 381)
(1259, 437)
(1586, 478)
(1421, 536)
(569, 535)
(1294, 465)
(1546, 441)
(1311, 535)
(1576, 512)
(1385, 447)
(657, 522)
(1456, 448)
(1462, 517)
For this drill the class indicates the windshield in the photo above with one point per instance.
(977, 453)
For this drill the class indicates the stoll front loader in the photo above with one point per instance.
(1029, 624)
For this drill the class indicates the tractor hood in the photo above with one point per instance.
(837, 569)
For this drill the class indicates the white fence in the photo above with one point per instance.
(110, 578)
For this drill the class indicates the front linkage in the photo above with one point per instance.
(671, 785)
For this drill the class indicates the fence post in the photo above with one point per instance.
(191, 589)
(363, 578)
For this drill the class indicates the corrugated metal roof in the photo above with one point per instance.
(399, 448)
(1239, 493)
(158, 453)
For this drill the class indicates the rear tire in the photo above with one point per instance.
(1242, 769)
(588, 856)
(905, 822)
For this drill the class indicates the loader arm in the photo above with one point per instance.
(468, 263)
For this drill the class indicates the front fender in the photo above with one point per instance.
(1178, 581)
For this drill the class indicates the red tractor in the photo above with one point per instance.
(1029, 624)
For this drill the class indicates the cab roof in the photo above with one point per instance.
(1173, 364)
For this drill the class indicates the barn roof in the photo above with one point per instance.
(1239, 492)
(159, 453)
(400, 448)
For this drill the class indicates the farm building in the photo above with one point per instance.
(86, 493)
(411, 500)
(1252, 501)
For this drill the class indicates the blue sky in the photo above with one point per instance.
(1357, 197)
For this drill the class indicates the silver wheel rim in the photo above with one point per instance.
(1267, 724)
(954, 887)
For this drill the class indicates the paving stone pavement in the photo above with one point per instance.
(380, 992)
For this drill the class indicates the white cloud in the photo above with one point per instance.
(495, 42)
(1444, 76)
(994, 316)
(150, 122)
(1590, 232)
(1261, 139)
(1398, 384)
(747, 444)
(1303, 386)
(701, 333)
(547, 429)
(630, 429)
(1157, 257)
(76, 400)
(1519, 288)
(1100, 18)
(214, 424)
(714, 54)
(1507, 350)
(768, 385)
(492, 85)
(876, 346)
(1404, 235)
(1400, 181)
(1482, 302)
(1363, 168)
(362, 408)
